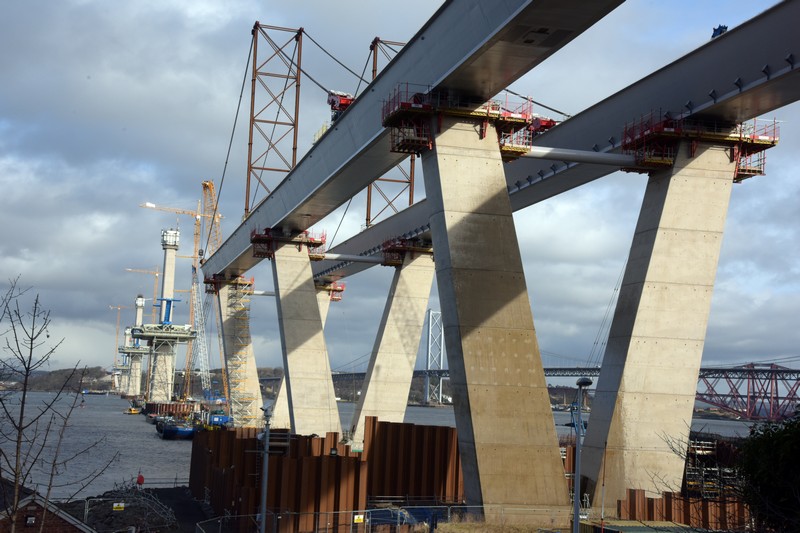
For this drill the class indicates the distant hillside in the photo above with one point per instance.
(96, 378)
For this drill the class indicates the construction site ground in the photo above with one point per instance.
(162, 509)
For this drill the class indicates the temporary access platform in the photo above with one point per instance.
(410, 108)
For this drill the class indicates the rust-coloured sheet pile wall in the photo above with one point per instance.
(414, 462)
(695, 512)
(307, 483)
(304, 476)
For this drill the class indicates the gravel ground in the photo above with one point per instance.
(166, 509)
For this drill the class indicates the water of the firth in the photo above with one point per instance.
(165, 462)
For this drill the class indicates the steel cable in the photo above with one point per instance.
(554, 110)
(230, 142)
(332, 57)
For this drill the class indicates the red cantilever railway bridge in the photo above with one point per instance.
(752, 391)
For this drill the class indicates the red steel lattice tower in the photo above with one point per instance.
(274, 109)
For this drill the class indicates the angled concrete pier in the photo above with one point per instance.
(646, 390)
(280, 408)
(391, 365)
(307, 370)
(506, 434)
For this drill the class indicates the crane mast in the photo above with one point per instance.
(200, 344)
(213, 243)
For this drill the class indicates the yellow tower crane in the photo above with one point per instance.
(210, 211)
(214, 241)
(212, 245)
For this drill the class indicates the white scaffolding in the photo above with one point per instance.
(242, 401)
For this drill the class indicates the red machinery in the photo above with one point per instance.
(339, 101)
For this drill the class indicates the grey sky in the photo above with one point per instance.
(106, 105)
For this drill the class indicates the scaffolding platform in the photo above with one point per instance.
(394, 250)
(410, 111)
(653, 140)
(164, 332)
(263, 241)
(335, 289)
(134, 350)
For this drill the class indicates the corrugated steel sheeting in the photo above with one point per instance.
(399, 460)
(695, 512)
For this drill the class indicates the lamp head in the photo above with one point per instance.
(583, 382)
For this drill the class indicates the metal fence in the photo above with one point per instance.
(165, 482)
(377, 520)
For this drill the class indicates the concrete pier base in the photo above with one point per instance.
(646, 390)
(135, 377)
(307, 370)
(391, 365)
(280, 417)
(506, 433)
(162, 373)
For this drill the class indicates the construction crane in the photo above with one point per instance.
(197, 216)
(213, 243)
(201, 354)
(196, 315)
(214, 231)
(155, 273)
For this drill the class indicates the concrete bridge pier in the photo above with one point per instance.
(307, 370)
(506, 433)
(280, 408)
(135, 377)
(646, 389)
(135, 383)
(391, 365)
(163, 371)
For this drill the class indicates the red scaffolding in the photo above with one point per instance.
(653, 140)
(410, 111)
(263, 242)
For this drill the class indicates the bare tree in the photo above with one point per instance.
(32, 432)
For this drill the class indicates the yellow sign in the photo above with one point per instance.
(358, 519)
(119, 506)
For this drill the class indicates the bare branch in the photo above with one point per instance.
(37, 432)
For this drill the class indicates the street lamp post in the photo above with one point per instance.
(582, 383)
(262, 526)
